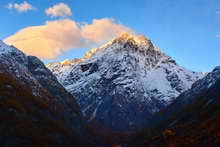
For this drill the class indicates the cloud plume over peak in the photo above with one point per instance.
(103, 29)
(50, 40)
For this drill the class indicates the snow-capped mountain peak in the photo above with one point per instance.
(124, 82)
(135, 39)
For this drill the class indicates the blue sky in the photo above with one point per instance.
(187, 30)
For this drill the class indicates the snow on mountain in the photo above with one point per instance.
(200, 86)
(123, 83)
(4, 48)
(202, 96)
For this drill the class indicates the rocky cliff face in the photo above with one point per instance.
(123, 83)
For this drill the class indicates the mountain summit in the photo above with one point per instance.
(137, 41)
(124, 82)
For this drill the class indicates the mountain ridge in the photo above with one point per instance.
(31, 94)
(192, 119)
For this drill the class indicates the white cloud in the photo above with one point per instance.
(21, 7)
(59, 10)
(50, 40)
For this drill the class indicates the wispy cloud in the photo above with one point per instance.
(55, 37)
(21, 7)
(59, 10)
